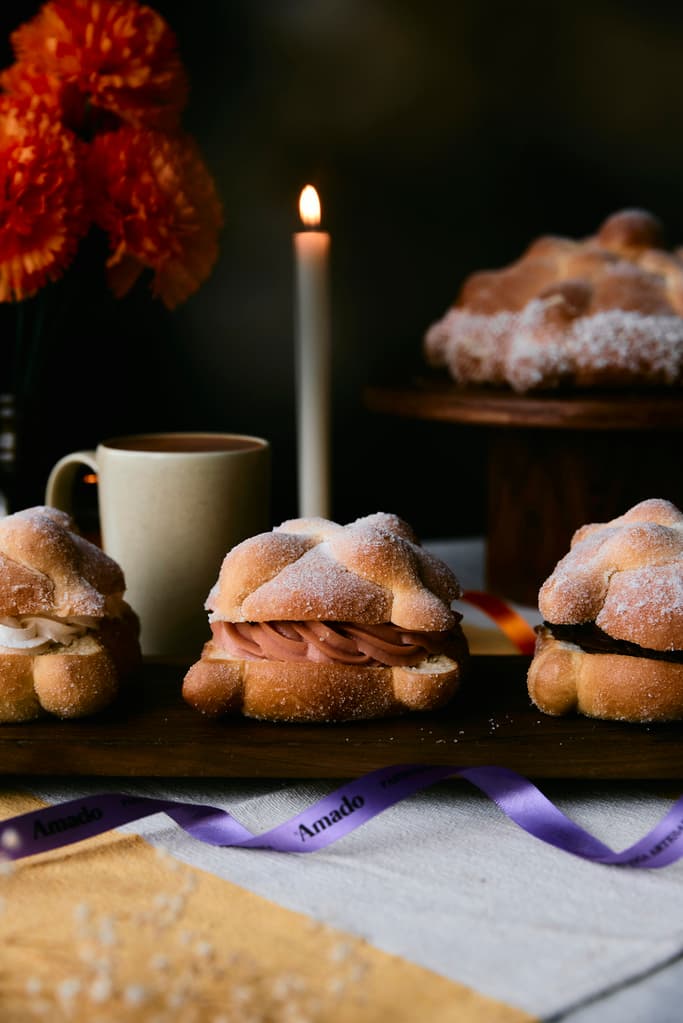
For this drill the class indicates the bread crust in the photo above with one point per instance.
(46, 567)
(67, 681)
(218, 685)
(370, 571)
(48, 570)
(564, 679)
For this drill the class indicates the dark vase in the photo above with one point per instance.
(80, 364)
(8, 452)
(49, 361)
(23, 328)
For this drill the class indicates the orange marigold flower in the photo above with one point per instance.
(42, 197)
(156, 200)
(120, 54)
(63, 98)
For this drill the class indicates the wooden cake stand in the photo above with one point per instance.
(555, 462)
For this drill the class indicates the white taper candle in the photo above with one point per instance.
(313, 359)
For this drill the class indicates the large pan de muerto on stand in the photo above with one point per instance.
(601, 312)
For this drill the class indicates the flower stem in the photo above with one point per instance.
(35, 343)
(19, 326)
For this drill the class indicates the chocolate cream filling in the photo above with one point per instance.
(384, 645)
(592, 640)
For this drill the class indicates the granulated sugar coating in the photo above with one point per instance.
(370, 571)
(626, 576)
(317, 621)
(612, 642)
(604, 311)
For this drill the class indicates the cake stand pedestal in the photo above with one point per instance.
(554, 462)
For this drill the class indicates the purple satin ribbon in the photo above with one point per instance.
(337, 815)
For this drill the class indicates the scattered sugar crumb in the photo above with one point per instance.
(10, 838)
(101, 989)
(68, 988)
(135, 994)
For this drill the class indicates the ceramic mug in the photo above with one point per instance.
(170, 507)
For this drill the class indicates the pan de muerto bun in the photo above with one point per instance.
(315, 621)
(611, 645)
(67, 637)
(604, 311)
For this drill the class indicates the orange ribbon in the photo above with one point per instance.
(506, 618)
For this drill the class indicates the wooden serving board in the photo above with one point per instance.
(153, 733)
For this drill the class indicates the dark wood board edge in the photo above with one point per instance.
(152, 733)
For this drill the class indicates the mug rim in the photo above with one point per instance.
(118, 443)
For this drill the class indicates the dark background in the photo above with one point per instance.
(442, 137)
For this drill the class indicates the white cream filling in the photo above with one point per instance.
(34, 632)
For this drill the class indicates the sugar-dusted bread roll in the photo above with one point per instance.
(603, 311)
(316, 621)
(67, 637)
(611, 645)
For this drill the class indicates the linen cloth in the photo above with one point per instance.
(445, 881)
(107, 930)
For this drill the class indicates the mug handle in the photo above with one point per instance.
(60, 482)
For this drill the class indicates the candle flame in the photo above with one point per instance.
(309, 206)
